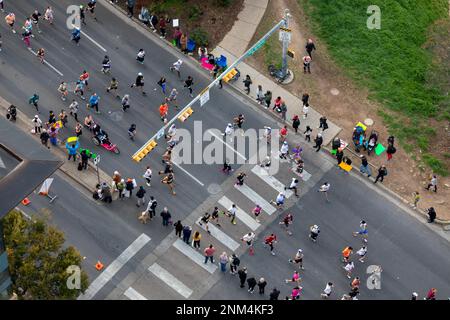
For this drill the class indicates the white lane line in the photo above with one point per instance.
(114, 267)
(93, 41)
(2, 164)
(192, 254)
(190, 175)
(48, 64)
(256, 198)
(226, 144)
(220, 235)
(170, 280)
(132, 294)
(240, 214)
(271, 180)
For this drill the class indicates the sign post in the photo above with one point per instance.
(285, 38)
(96, 162)
(204, 98)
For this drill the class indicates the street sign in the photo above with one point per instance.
(204, 98)
(257, 47)
(285, 35)
(97, 160)
(160, 133)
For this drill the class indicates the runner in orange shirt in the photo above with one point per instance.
(163, 110)
(346, 253)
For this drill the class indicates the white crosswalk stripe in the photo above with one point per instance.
(240, 214)
(192, 254)
(170, 280)
(256, 198)
(271, 180)
(221, 236)
(132, 294)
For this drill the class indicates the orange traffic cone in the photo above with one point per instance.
(26, 201)
(99, 266)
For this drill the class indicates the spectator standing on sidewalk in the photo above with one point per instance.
(209, 254)
(431, 215)
(339, 155)
(295, 123)
(234, 264)
(390, 149)
(306, 64)
(260, 94)
(382, 172)
(247, 82)
(37, 124)
(130, 7)
(251, 284)
(140, 194)
(416, 198)
(187, 230)
(242, 276)
(323, 123)
(283, 110)
(165, 215)
(310, 47)
(178, 229)
(261, 285)
(433, 183)
(44, 138)
(365, 167)
(268, 98)
(153, 21)
(162, 27)
(84, 159)
(223, 260)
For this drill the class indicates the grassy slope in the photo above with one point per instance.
(390, 62)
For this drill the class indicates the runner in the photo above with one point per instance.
(215, 216)
(63, 90)
(91, 7)
(169, 179)
(106, 65)
(84, 77)
(295, 294)
(240, 179)
(125, 102)
(293, 186)
(268, 134)
(176, 66)
(307, 133)
(324, 188)
(79, 132)
(362, 231)
(139, 83)
(140, 56)
(228, 130)
(151, 207)
(40, 54)
(298, 259)
(132, 131)
(167, 169)
(270, 241)
(63, 117)
(163, 111)
(314, 232)
(239, 121)
(362, 253)
(279, 200)
(327, 291)
(76, 35)
(162, 83)
(283, 134)
(188, 84)
(284, 151)
(349, 268)
(28, 26)
(93, 102)
(48, 15)
(113, 86)
(26, 38)
(171, 133)
(232, 213)
(148, 176)
(79, 89)
(82, 14)
(34, 99)
(204, 220)
(287, 220)
(248, 238)
(173, 97)
(356, 282)
(10, 19)
(346, 253)
(257, 211)
(35, 16)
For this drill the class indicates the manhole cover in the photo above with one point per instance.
(368, 122)
(214, 188)
(334, 91)
(116, 115)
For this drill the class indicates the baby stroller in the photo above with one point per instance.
(371, 143)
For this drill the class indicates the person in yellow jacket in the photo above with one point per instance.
(196, 239)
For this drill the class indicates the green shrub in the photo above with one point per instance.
(435, 164)
(194, 12)
(200, 37)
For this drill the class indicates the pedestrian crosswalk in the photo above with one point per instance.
(181, 270)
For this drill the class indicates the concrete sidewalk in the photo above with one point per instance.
(85, 178)
(293, 103)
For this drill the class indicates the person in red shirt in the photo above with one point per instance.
(431, 294)
(283, 133)
(270, 240)
(162, 27)
(163, 110)
(209, 253)
(84, 77)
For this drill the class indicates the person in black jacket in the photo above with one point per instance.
(323, 123)
(310, 47)
(274, 294)
(179, 228)
(339, 155)
(318, 140)
(234, 264)
(165, 214)
(431, 215)
(251, 284)
(129, 186)
(44, 138)
(154, 22)
(84, 159)
(261, 285)
(295, 123)
(382, 172)
(140, 194)
(247, 82)
(242, 276)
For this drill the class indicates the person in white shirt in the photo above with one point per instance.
(293, 186)
(171, 132)
(232, 213)
(362, 253)
(148, 176)
(248, 237)
(228, 130)
(73, 107)
(260, 95)
(268, 134)
(349, 268)
(140, 56)
(324, 188)
(305, 111)
(279, 200)
(327, 291)
(176, 66)
(37, 123)
(284, 150)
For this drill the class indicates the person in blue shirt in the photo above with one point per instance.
(72, 150)
(93, 102)
(76, 35)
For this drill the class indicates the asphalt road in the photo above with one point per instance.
(413, 257)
